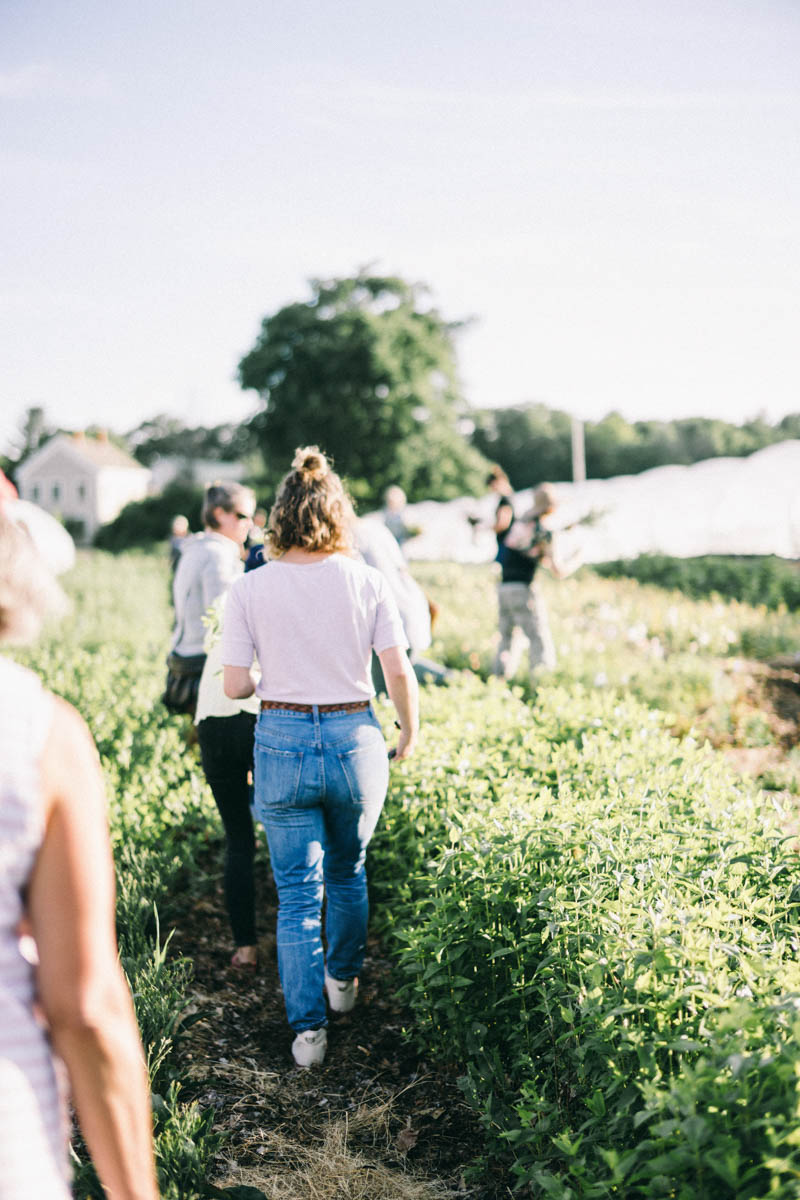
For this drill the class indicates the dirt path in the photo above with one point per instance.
(772, 690)
(375, 1121)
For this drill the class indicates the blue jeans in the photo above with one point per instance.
(320, 784)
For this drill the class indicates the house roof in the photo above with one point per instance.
(102, 452)
(94, 452)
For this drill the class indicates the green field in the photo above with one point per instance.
(593, 916)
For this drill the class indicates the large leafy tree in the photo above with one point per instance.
(531, 442)
(365, 369)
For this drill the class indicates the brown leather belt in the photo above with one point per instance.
(349, 706)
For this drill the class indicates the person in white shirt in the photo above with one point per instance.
(312, 616)
(64, 1001)
(209, 562)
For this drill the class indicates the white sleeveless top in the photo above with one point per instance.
(33, 1126)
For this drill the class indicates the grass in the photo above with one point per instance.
(346, 1162)
(697, 661)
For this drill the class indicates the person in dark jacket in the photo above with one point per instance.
(521, 609)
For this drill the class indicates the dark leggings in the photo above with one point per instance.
(226, 751)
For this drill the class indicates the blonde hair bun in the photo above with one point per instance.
(312, 510)
(310, 462)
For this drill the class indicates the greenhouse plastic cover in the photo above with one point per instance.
(718, 506)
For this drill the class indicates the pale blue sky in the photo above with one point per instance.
(610, 187)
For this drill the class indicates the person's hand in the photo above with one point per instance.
(406, 745)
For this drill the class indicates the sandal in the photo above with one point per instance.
(243, 964)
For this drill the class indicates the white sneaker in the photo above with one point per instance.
(341, 993)
(309, 1047)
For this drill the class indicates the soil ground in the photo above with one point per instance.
(395, 1122)
(771, 689)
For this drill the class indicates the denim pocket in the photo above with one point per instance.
(277, 776)
(365, 767)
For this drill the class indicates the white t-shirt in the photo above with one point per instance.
(313, 627)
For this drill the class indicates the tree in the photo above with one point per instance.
(164, 436)
(789, 427)
(143, 522)
(367, 371)
(609, 445)
(34, 431)
(531, 442)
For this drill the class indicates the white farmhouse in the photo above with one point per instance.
(86, 481)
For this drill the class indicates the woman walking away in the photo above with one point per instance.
(57, 911)
(313, 616)
(208, 565)
(225, 731)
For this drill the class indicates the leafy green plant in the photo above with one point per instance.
(772, 582)
(185, 1147)
(594, 921)
(587, 905)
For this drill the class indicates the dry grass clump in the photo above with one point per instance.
(327, 1168)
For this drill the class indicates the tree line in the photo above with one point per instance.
(366, 366)
(533, 442)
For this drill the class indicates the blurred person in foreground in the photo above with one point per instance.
(64, 1002)
(313, 615)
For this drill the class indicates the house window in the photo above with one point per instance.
(35, 493)
(81, 491)
(56, 492)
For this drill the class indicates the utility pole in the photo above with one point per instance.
(578, 452)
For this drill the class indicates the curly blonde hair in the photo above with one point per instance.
(312, 510)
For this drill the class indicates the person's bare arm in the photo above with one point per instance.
(503, 518)
(562, 565)
(238, 682)
(401, 684)
(547, 560)
(82, 990)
